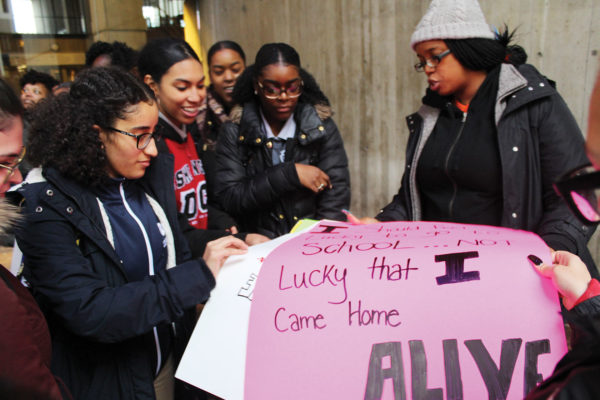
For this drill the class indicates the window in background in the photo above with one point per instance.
(161, 13)
(54, 17)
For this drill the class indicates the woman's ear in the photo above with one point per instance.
(101, 133)
(149, 81)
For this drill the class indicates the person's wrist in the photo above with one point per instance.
(592, 289)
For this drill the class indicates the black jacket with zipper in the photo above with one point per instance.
(270, 199)
(538, 139)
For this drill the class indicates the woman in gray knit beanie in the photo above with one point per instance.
(490, 137)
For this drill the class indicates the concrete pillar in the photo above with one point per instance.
(118, 20)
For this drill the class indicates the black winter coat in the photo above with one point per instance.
(101, 324)
(576, 374)
(270, 199)
(538, 139)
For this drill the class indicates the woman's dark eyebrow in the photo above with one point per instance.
(9, 155)
(140, 128)
(430, 49)
(225, 66)
(290, 81)
(188, 82)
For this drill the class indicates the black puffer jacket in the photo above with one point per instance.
(270, 199)
(101, 323)
(538, 139)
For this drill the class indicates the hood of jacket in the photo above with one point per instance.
(9, 216)
(309, 122)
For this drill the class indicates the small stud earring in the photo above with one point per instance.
(255, 92)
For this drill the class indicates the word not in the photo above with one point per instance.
(497, 378)
(329, 274)
(390, 272)
(300, 322)
(372, 317)
(310, 249)
(247, 290)
(482, 242)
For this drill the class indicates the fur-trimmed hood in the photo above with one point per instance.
(311, 122)
(9, 216)
(323, 111)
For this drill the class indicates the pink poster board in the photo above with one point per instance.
(402, 310)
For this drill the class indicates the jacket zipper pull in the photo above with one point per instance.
(464, 118)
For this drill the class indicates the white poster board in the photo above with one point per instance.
(219, 338)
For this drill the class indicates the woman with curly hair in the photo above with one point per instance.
(102, 247)
(35, 87)
(117, 54)
(281, 158)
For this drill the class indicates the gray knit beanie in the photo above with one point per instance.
(452, 19)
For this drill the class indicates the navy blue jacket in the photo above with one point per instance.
(101, 324)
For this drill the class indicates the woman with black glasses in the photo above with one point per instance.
(281, 157)
(102, 247)
(491, 136)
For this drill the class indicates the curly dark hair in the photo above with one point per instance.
(62, 134)
(120, 54)
(277, 53)
(32, 77)
(10, 105)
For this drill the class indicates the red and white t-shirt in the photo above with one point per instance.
(190, 183)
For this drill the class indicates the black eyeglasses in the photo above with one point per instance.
(580, 189)
(273, 92)
(143, 140)
(12, 165)
(432, 62)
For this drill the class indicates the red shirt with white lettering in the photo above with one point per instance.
(190, 183)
